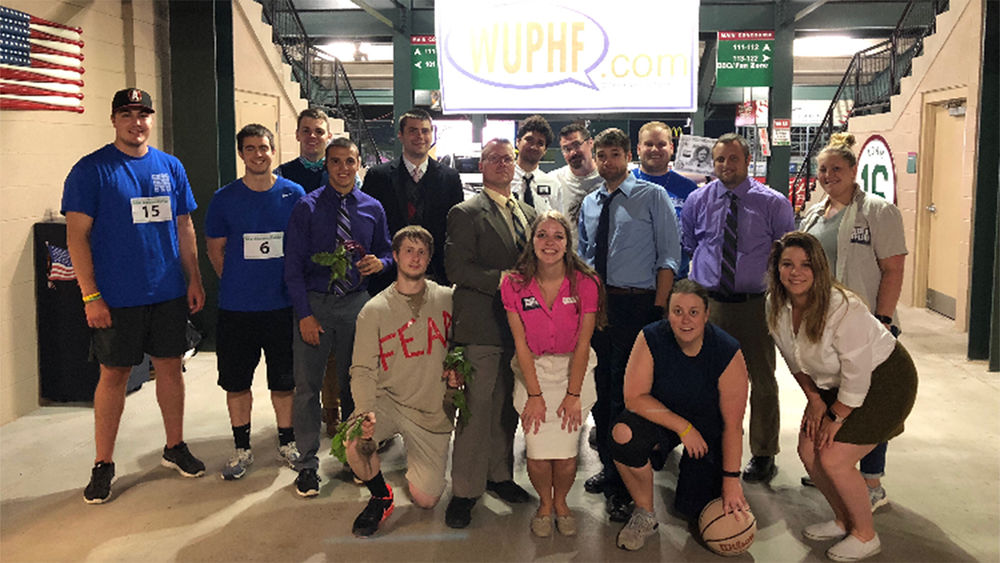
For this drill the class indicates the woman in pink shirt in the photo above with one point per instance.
(553, 302)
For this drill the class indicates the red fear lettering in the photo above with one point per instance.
(434, 332)
(403, 341)
(382, 354)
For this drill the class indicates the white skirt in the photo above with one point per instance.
(551, 441)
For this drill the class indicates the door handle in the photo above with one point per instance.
(931, 208)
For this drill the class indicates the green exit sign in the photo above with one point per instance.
(423, 58)
(744, 58)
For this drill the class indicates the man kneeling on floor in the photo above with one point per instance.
(398, 382)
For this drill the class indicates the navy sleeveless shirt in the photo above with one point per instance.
(689, 386)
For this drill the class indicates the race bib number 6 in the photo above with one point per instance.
(263, 246)
(151, 209)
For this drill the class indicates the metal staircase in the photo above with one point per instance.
(323, 82)
(867, 87)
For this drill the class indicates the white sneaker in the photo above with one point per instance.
(824, 531)
(289, 453)
(641, 525)
(853, 549)
(877, 497)
(238, 465)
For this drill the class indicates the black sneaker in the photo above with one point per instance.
(99, 488)
(179, 457)
(378, 509)
(307, 483)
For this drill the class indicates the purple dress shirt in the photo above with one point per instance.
(312, 228)
(764, 216)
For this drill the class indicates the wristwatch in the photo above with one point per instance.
(884, 319)
(834, 416)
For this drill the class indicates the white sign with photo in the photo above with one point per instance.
(694, 155)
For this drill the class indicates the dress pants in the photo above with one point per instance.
(746, 323)
(627, 314)
(484, 446)
(337, 315)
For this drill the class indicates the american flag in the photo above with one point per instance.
(60, 266)
(41, 64)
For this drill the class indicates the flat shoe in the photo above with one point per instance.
(824, 531)
(566, 524)
(541, 526)
(853, 549)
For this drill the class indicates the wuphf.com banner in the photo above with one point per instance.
(554, 56)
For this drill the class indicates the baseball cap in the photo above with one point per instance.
(132, 97)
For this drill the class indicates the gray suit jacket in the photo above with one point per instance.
(478, 249)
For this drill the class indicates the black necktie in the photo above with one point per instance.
(529, 198)
(603, 228)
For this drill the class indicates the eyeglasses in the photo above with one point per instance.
(495, 159)
(572, 147)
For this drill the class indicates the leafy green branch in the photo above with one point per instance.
(339, 260)
(346, 431)
(456, 360)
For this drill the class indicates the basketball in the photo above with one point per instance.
(726, 534)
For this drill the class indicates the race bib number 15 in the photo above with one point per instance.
(151, 209)
(263, 246)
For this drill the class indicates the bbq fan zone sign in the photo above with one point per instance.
(41, 63)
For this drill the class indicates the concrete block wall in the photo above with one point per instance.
(948, 69)
(126, 44)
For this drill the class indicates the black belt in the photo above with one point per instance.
(733, 297)
(628, 290)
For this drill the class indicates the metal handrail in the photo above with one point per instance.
(871, 87)
(299, 51)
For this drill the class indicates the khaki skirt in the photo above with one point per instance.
(551, 441)
(888, 402)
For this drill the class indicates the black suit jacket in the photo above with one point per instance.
(442, 189)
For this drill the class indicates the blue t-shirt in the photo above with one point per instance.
(253, 224)
(678, 188)
(134, 203)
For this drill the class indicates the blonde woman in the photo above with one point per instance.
(862, 236)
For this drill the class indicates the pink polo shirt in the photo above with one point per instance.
(552, 331)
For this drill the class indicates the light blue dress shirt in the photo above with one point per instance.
(642, 230)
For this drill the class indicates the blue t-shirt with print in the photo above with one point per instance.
(678, 188)
(134, 203)
(253, 224)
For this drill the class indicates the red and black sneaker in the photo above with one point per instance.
(378, 509)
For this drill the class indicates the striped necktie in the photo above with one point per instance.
(519, 237)
(343, 286)
(727, 277)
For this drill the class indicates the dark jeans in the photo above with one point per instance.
(627, 314)
(873, 464)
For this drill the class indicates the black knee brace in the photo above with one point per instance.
(633, 453)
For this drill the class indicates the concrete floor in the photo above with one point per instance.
(942, 482)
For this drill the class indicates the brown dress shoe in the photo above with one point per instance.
(331, 417)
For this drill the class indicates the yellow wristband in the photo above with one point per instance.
(92, 297)
(686, 430)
